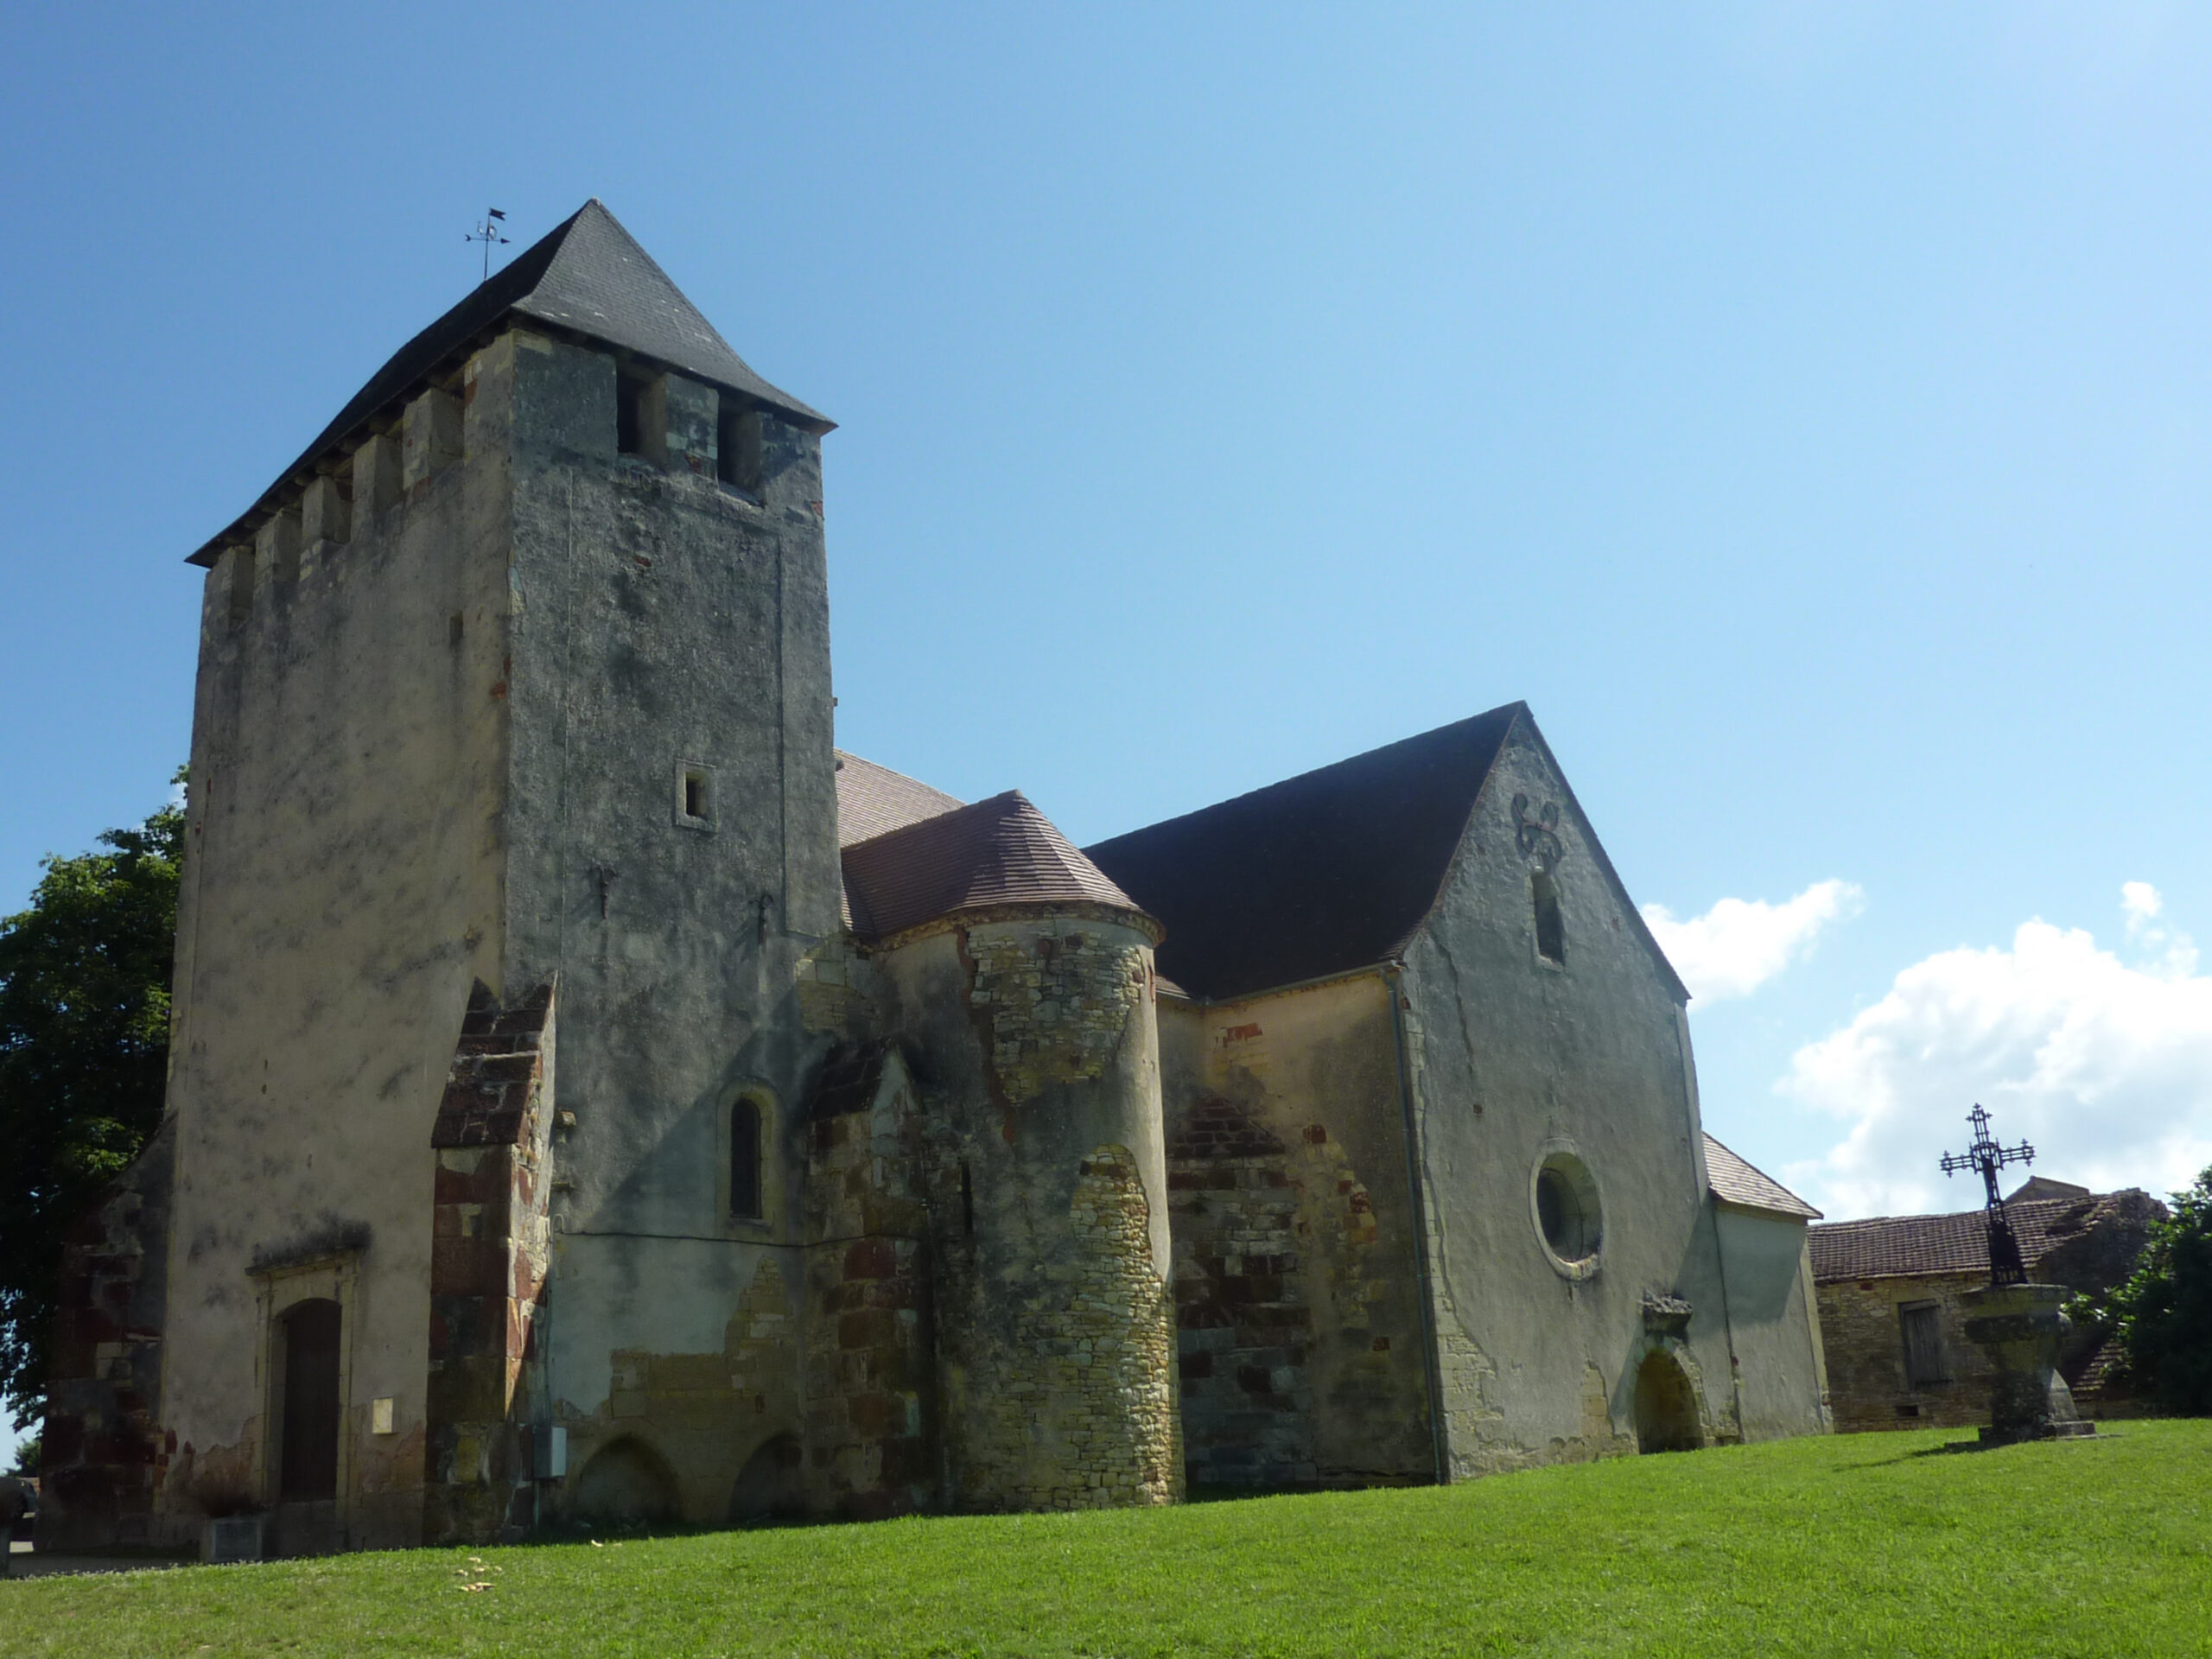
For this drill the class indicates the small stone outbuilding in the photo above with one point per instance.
(1893, 1321)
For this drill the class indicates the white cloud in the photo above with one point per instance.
(1740, 944)
(2105, 1065)
(2142, 904)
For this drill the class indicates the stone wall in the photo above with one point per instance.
(490, 1250)
(1243, 1327)
(1052, 1008)
(341, 890)
(1048, 1227)
(1862, 1330)
(670, 650)
(870, 1431)
(698, 1435)
(1782, 1380)
(105, 1456)
(1298, 1301)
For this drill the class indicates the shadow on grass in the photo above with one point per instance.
(1951, 1448)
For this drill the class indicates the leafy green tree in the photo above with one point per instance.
(84, 1055)
(2163, 1312)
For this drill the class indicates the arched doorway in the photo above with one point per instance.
(307, 1456)
(767, 1487)
(1665, 1406)
(628, 1483)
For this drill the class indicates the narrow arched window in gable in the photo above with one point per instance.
(1551, 931)
(745, 1160)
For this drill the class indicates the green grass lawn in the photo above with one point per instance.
(1869, 1544)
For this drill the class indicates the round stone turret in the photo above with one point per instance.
(1023, 981)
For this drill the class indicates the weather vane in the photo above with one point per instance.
(487, 233)
(1986, 1157)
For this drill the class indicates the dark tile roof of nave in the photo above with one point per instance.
(998, 852)
(1884, 1246)
(1320, 873)
(1734, 1181)
(586, 275)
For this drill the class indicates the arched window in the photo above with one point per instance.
(744, 1160)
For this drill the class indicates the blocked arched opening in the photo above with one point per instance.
(307, 1455)
(1243, 1326)
(1665, 1406)
(628, 1483)
(767, 1487)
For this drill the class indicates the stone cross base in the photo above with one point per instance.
(2019, 1327)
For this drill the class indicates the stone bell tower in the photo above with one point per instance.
(513, 716)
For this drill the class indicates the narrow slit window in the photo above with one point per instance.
(694, 795)
(967, 1201)
(1551, 931)
(737, 446)
(745, 1160)
(630, 413)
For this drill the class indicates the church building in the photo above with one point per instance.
(595, 1097)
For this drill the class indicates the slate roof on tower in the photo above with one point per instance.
(998, 852)
(586, 277)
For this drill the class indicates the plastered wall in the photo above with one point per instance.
(1774, 1328)
(342, 891)
(1515, 1058)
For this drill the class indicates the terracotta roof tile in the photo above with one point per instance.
(874, 800)
(1886, 1245)
(1734, 1181)
(1001, 851)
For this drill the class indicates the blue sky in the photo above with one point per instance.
(1804, 408)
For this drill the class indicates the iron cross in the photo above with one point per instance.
(1985, 1155)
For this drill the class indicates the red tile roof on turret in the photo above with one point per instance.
(999, 852)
